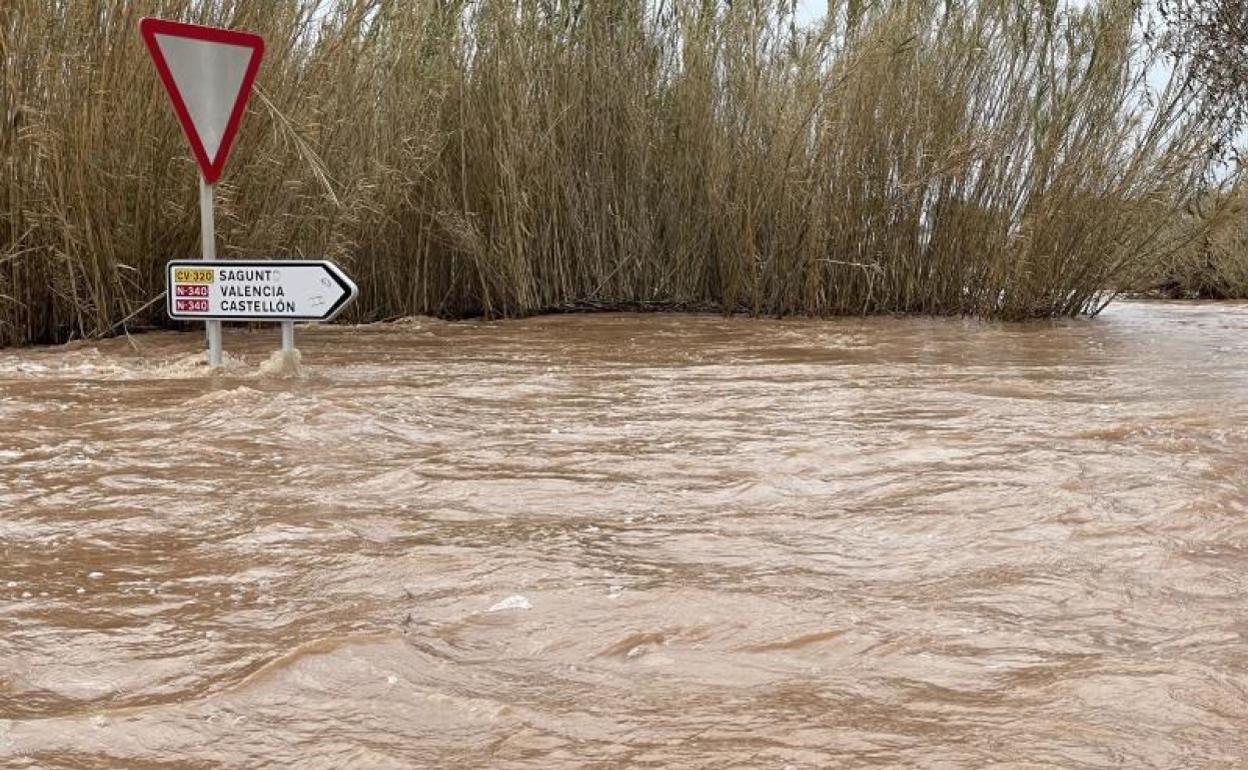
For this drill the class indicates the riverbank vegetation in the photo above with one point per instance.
(991, 158)
(1209, 259)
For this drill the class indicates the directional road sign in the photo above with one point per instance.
(264, 290)
(208, 73)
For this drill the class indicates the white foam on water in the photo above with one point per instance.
(515, 602)
(283, 364)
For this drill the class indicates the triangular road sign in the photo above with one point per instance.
(208, 73)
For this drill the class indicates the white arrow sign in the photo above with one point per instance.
(263, 290)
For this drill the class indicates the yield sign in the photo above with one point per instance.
(208, 73)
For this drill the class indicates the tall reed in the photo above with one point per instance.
(507, 157)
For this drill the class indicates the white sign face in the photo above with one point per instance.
(263, 290)
(209, 77)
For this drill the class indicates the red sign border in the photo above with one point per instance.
(149, 28)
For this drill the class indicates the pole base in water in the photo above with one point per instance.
(283, 364)
(214, 344)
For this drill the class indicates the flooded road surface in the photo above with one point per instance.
(629, 541)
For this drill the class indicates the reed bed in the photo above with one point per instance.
(1209, 257)
(992, 158)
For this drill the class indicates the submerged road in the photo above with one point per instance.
(633, 541)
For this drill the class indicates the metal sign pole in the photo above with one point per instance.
(288, 336)
(208, 230)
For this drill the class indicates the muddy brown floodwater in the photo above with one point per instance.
(633, 541)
